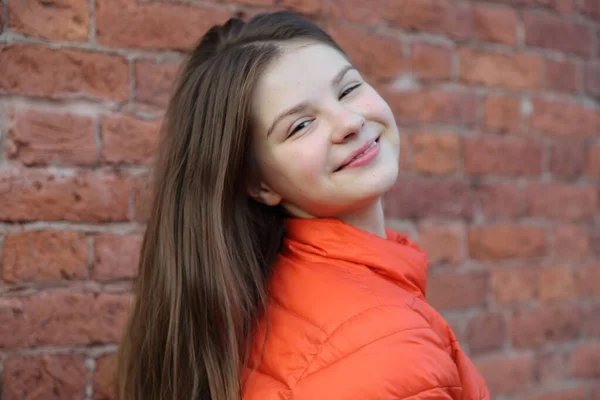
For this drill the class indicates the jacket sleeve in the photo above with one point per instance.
(384, 353)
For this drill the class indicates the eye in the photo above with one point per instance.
(300, 126)
(349, 90)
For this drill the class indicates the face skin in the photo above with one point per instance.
(299, 154)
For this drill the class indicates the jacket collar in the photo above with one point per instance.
(397, 257)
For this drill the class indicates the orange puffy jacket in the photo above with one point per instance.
(347, 319)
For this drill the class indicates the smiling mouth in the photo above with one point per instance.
(371, 146)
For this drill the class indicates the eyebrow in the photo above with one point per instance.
(302, 106)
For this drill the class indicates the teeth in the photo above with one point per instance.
(369, 148)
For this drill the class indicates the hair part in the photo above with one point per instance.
(208, 246)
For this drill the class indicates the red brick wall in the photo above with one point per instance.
(498, 103)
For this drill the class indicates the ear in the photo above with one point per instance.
(263, 193)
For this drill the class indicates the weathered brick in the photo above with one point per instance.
(29, 195)
(592, 317)
(44, 256)
(429, 61)
(500, 200)
(565, 120)
(595, 239)
(592, 167)
(145, 25)
(436, 154)
(503, 156)
(67, 20)
(127, 140)
(586, 361)
(154, 82)
(486, 332)
(557, 394)
(496, 24)
(591, 78)
(37, 138)
(375, 55)
(442, 243)
(446, 290)
(368, 13)
(506, 374)
(556, 283)
(591, 8)
(562, 201)
(62, 318)
(506, 241)
(548, 324)
(513, 71)
(587, 280)
(502, 114)
(512, 286)
(45, 377)
(435, 16)
(104, 377)
(551, 32)
(567, 160)
(34, 70)
(551, 365)
(142, 197)
(562, 76)
(417, 107)
(306, 7)
(570, 243)
(416, 198)
(117, 256)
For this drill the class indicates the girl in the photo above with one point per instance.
(266, 271)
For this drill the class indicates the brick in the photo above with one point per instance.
(487, 68)
(506, 374)
(587, 280)
(104, 377)
(592, 167)
(30, 195)
(561, 394)
(592, 328)
(33, 70)
(567, 160)
(561, 201)
(417, 198)
(429, 61)
(502, 114)
(514, 286)
(562, 76)
(127, 140)
(434, 16)
(442, 243)
(496, 24)
(62, 318)
(570, 243)
(486, 332)
(556, 283)
(502, 156)
(306, 7)
(551, 365)
(44, 256)
(154, 82)
(500, 200)
(544, 325)
(586, 361)
(551, 32)
(591, 8)
(45, 377)
(1, 19)
(39, 138)
(445, 291)
(117, 256)
(591, 78)
(360, 11)
(595, 239)
(131, 24)
(375, 55)
(506, 241)
(436, 154)
(564, 120)
(142, 198)
(66, 20)
(431, 106)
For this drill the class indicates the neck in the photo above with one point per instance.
(369, 219)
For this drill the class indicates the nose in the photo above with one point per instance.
(346, 124)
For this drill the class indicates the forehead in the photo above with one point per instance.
(298, 74)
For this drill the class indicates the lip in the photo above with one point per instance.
(355, 153)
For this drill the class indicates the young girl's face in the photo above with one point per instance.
(326, 143)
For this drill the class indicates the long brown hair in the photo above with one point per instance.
(208, 247)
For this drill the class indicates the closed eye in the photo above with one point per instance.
(300, 126)
(349, 90)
